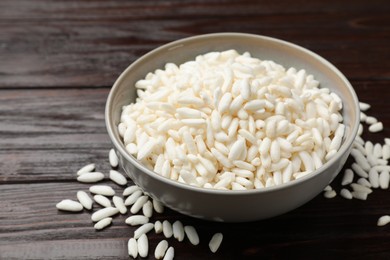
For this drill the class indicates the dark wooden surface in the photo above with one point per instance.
(58, 60)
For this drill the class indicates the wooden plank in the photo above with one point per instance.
(26, 166)
(185, 9)
(62, 44)
(66, 249)
(32, 227)
(47, 112)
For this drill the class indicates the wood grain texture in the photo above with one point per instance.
(58, 60)
(45, 114)
(32, 228)
(88, 43)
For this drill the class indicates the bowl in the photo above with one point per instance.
(227, 205)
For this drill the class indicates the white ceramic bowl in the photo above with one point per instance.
(232, 206)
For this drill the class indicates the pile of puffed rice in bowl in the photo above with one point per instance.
(232, 135)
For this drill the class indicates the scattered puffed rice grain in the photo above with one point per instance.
(359, 195)
(178, 230)
(87, 168)
(377, 127)
(102, 190)
(359, 171)
(170, 254)
(373, 177)
(132, 247)
(137, 206)
(145, 228)
(358, 146)
(160, 250)
(158, 227)
(346, 194)
(369, 146)
(364, 182)
(103, 201)
(133, 197)
(192, 235)
(360, 159)
(147, 209)
(347, 177)
(364, 106)
(384, 178)
(158, 206)
(102, 223)
(117, 177)
(104, 213)
(386, 152)
(328, 188)
(215, 242)
(384, 220)
(381, 168)
(136, 220)
(90, 177)
(143, 245)
(360, 132)
(69, 205)
(113, 158)
(84, 199)
(130, 190)
(330, 194)
(363, 117)
(167, 229)
(360, 188)
(119, 204)
(370, 120)
(377, 150)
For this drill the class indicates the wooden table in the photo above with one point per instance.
(58, 60)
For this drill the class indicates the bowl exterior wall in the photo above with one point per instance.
(233, 207)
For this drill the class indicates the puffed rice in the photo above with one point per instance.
(167, 229)
(102, 190)
(102, 200)
(192, 235)
(238, 123)
(90, 177)
(87, 168)
(69, 205)
(161, 248)
(170, 253)
(135, 220)
(113, 158)
(119, 204)
(215, 242)
(117, 177)
(104, 213)
(383, 220)
(84, 199)
(132, 248)
(143, 245)
(145, 228)
(102, 223)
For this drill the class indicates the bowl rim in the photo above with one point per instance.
(178, 43)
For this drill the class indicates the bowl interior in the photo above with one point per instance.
(264, 48)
